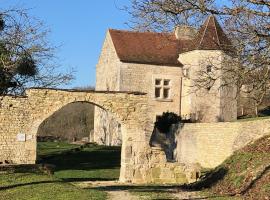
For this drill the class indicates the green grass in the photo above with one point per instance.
(225, 198)
(72, 164)
(38, 186)
(52, 148)
(92, 163)
(266, 188)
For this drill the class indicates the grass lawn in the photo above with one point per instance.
(53, 148)
(38, 186)
(91, 163)
(73, 164)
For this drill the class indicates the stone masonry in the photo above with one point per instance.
(20, 118)
(209, 144)
(198, 144)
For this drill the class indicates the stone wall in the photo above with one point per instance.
(21, 117)
(107, 130)
(15, 147)
(141, 77)
(198, 144)
(209, 144)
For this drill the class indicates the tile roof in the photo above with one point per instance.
(164, 48)
(211, 37)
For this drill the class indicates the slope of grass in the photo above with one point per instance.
(245, 173)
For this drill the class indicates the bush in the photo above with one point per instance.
(164, 122)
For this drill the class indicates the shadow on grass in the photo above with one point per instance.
(85, 159)
(208, 180)
(86, 179)
(26, 184)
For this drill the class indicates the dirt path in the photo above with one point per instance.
(184, 195)
(121, 195)
(115, 190)
(119, 191)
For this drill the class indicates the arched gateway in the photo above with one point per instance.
(20, 118)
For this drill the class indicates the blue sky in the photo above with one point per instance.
(79, 26)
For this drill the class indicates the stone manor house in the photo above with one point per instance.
(165, 65)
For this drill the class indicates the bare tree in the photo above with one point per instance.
(246, 22)
(27, 59)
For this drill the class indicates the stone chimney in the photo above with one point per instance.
(184, 32)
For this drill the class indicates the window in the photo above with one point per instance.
(208, 68)
(158, 81)
(162, 88)
(166, 93)
(157, 92)
(166, 82)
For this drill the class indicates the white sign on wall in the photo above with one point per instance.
(21, 137)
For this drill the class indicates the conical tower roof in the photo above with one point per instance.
(211, 37)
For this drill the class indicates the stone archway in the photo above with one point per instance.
(88, 159)
(72, 123)
(26, 114)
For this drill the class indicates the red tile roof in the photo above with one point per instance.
(211, 37)
(164, 48)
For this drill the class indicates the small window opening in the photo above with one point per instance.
(158, 82)
(166, 82)
(166, 93)
(157, 92)
(208, 68)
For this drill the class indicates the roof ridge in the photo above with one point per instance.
(215, 22)
(203, 35)
(144, 32)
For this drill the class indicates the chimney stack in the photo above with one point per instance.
(184, 32)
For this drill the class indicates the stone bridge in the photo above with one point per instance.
(20, 118)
